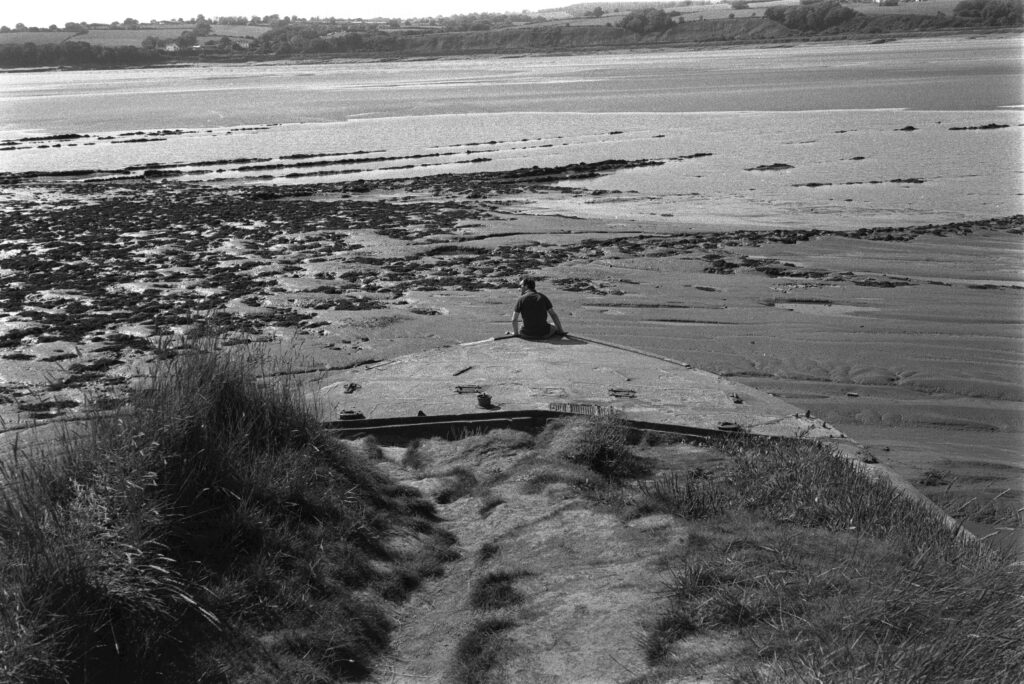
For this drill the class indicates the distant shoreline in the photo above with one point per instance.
(455, 51)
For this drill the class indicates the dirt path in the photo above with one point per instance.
(547, 589)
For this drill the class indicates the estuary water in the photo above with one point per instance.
(841, 134)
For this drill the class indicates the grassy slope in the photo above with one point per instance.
(209, 531)
(794, 567)
(122, 37)
(37, 37)
(872, 589)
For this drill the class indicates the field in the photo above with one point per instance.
(723, 10)
(927, 7)
(693, 12)
(37, 37)
(125, 37)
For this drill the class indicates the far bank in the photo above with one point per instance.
(687, 27)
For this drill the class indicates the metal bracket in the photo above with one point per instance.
(582, 409)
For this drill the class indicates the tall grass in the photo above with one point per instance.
(600, 443)
(833, 576)
(808, 483)
(176, 538)
(693, 496)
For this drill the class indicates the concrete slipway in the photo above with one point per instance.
(512, 382)
(568, 374)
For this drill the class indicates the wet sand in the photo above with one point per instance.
(907, 339)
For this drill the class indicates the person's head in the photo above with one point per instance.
(528, 284)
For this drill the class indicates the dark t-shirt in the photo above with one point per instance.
(533, 306)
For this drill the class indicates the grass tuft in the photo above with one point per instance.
(600, 443)
(495, 590)
(458, 482)
(693, 496)
(413, 456)
(487, 551)
(489, 502)
(669, 627)
(480, 652)
(372, 450)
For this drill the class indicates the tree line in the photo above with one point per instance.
(76, 54)
(813, 16)
(288, 37)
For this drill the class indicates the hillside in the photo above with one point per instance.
(687, 25)
(557, 38)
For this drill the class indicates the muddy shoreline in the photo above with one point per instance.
(99, 275)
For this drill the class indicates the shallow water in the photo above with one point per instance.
(935, 74)
(866, 128)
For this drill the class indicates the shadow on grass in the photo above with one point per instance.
(480, 652)
(496, 590)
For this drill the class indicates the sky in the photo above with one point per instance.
(43, 13)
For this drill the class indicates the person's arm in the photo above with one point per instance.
(558, 323)
(515, 323)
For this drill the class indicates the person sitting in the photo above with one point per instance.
(535, 308)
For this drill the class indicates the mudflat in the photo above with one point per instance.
(907, 339)
(865, 266)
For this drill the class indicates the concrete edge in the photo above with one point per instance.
(855, 453)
